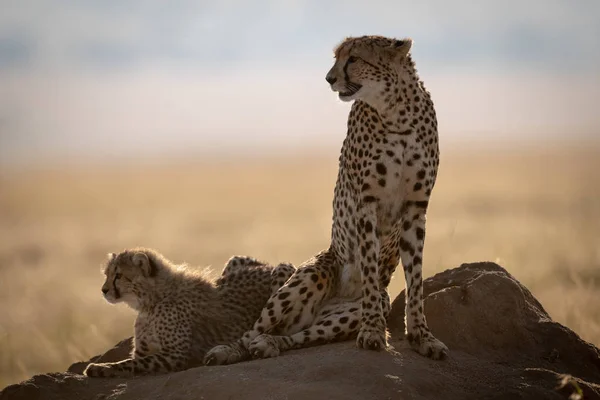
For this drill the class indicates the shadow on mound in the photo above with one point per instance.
(503, 345)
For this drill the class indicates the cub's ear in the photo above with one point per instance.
(111, 256)
(143, 262)
(401, 47)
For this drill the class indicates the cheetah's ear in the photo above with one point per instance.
(143, 262)
(401, 47)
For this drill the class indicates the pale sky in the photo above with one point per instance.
(116, 77)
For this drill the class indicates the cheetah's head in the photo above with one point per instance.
(128, 274)
(367, 67)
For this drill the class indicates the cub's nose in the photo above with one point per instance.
(330, 79)
(104, 290)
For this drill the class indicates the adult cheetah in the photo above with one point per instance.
(387, 170)
(182, 313)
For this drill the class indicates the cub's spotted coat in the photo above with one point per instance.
(181, 313)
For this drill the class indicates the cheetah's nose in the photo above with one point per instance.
(104, 290)
(331, 79)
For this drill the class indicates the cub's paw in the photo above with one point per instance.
(264, 346)
(99, 371)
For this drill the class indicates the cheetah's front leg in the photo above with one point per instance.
(372, 333)
(412, 240)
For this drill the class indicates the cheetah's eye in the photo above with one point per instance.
(352, 59)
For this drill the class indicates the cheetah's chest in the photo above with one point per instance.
(389, 189)
(385, 170)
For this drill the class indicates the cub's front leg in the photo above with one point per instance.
(151, 364)
(171, 358)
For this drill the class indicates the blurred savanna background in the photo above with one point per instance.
(206, 129)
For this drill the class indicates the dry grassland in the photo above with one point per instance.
(537, 213)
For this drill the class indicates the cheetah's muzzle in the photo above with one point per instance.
(353, 89)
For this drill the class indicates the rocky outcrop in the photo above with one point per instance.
(503, 345)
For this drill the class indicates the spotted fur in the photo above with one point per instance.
(387, 171)
(181, 312)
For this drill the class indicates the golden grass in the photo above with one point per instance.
(537, 213)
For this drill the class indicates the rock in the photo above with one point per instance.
(503, 345)
(484, 311)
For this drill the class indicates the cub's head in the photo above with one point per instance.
(367, 67)
(129, 274)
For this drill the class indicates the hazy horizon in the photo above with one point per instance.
(121, 78)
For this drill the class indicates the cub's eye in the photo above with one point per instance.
(352, 59)
(118, 275)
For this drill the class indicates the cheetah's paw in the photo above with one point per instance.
(224, 354)
(264, 346)
(427, 345)
(371, 338)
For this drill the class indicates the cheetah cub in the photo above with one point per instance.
(181, 312)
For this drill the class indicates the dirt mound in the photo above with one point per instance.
(484, 311)
(502, 345)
